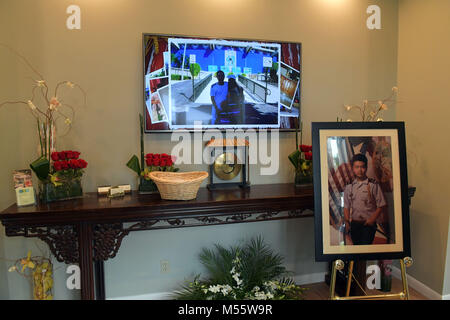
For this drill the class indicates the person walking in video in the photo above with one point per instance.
(219, 92)
(235, 101)
(363, 203)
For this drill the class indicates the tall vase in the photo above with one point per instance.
(43, 281)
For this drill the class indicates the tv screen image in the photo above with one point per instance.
(222, 83)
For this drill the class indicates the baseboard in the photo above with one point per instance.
(147, 296)
(299, 279)
(310, 278)
(419, 286)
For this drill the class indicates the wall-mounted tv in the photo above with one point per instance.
(220, 83)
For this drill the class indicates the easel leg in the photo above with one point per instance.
(404, 279)
(349, 279)
(337, 265)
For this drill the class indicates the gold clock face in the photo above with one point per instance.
(226, 166)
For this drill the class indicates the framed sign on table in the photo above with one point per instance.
(360, 191)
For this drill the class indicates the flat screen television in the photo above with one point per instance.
(220, 83)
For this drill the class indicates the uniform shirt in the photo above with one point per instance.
(219, 92)
(358, 199)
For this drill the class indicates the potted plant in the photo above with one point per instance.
(251, 271)
(386, 275)
(60, 178)
(49, 109)
(148, 163)
(154, 162)
(301, 159)
(39, 271)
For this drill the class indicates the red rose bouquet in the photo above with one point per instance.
(158, 162)
(67, 165)
(149, 162)
(61, 176)
(301, 159)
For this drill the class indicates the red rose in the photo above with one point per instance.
(304, 148)
(163, 162)
(61, 155)
(57, 165)
(73, 164)
(54, 156)
(149, 155)
(157, 156)
(149, 161)
(308, 155)
(81, 163)
(64, 164)
(156, 162)
(164, 156)
(75, 154)
(169, 162)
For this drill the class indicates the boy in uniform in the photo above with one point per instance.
(363, 203)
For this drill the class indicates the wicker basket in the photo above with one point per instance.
(178, 185)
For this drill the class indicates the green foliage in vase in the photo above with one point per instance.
(252, 271)
(301, 158)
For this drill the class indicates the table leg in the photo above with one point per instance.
(86, 262)
(100, 280)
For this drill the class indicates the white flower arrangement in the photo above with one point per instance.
(371, 110)
(239, 280)
(45, 108)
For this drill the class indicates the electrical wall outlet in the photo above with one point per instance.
(165, 267)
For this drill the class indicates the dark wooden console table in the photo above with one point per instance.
(89, 231)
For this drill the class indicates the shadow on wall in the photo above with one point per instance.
(4, 291)
(425, 240)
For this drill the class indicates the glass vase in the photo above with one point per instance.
(42, 281)
(386, 283)
(302, 179)
(147, 186)
(70, 189)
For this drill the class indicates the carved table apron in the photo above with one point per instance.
(90, 230)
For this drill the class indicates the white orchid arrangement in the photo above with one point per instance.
(251, 272)
(49, 108)
(371, 110)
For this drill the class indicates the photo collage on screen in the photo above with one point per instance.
(221, 83)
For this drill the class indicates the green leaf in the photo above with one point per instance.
(257, 264)
(41, 168)
(294, 157)
(133, 164)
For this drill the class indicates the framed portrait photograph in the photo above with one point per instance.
(360, 191)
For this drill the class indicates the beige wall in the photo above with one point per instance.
(423, 79)
(8, 126)
(446, 290)
(343, 62)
